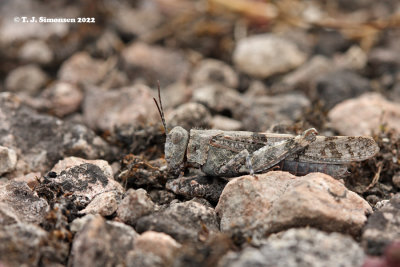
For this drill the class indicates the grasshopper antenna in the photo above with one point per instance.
(160, 108)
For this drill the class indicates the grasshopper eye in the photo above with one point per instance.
(175, 147)
(176, 137)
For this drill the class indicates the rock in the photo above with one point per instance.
(7, 215)
(209, 188)
(107, 44)
(8, 159)
(225, 123)
(396, 180)
(102, 243)
(365, 115)
(161, 197)
(276, 201)
(219, 98)
(138, 21)
(265, 55)
(77, 224)
(135, 205)
(189, 115)
(299, 247)
(81, 184)
(21, 244)
(330, 42)
(382, 228)
(29, 79)
(354, 58)
(183, 221)
(23, 202)
(154, 63)
(81, 68)
(104, 204)
(128, 105)
(214, 71)
(384, 61)
(175, 94)
(41, 140)
(336, 86)
(36, 51)
(70, 162)
(260, 113)
(63, 98)
(305, 75)
(153, 249)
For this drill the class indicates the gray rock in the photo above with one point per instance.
(135, 205)
(189, 115)
(7, 215)
(334, 87)
(214, 71)
(260, 113)
(209, 188)
(21, 244)
(129, 105)
(276, 201)
(36, 51)
(300, 247)
(383, 227)
(83, 184)
(41, 140)
(264, 55)
(365, 115)
(22, 202)
(154, 63)
(29, 79)
(153, 249)
(219, 98)
(183, 221)
(161, 197)
(8, 159)
(102, 243)
(304, 75)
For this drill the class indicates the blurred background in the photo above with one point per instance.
(227, 64)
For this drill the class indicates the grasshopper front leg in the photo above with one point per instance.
(268, 156)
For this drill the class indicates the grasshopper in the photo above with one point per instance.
(234, 153)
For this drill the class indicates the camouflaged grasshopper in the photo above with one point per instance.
(234, 153)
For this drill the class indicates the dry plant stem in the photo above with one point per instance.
(376, 177)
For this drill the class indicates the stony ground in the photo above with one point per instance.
(83, 180)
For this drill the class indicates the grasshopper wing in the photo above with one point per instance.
(339, 149)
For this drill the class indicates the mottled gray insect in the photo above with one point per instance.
(233, 153)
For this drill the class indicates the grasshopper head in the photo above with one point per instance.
(175, 148)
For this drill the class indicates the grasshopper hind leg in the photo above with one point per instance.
(233, 166)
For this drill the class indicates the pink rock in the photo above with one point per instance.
(63, 98)
(81, 68)
(276, 201)
(365, 115)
